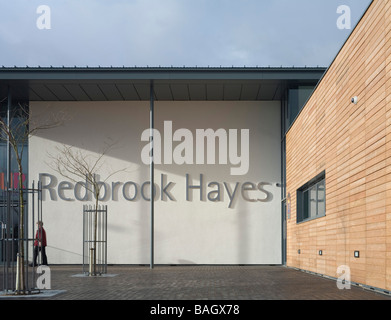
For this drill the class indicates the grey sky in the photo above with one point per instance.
(174, 32)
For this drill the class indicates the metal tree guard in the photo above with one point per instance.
(94, 249)
(10, 207)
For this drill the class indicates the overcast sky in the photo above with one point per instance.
(174, 32)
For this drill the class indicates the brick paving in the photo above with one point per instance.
(198, 283)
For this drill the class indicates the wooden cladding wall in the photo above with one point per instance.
(352, 144)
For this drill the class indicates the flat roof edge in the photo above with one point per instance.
(160, 73)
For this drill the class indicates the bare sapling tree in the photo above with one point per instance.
(16, 127)
(75, 164)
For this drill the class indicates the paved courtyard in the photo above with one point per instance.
(197, 283)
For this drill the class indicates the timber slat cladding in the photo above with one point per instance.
(352, 144)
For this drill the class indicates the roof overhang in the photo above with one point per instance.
(170, 84)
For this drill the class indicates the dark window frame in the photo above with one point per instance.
(303, 198)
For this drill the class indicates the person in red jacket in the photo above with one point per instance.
(40, 244)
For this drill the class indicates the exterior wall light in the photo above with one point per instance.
(354, 100)
(357, 254)
(320, 252)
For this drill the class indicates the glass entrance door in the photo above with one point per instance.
(9, 227)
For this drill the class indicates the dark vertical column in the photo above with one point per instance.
(152, 171)
(9, 105)
(283, 177)
(9, 244)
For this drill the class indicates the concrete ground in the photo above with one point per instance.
(193, 292)
(197, 283)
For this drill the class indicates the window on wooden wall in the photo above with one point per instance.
(311, 199)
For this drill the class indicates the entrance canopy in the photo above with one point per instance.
(170, 84)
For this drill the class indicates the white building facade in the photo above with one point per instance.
(218, 160)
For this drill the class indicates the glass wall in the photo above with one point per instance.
(8, 162)
(9, 172)
(294, 100)
(296, 96)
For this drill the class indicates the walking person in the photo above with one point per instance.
(40, 244)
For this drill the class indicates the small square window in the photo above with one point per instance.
(311, 199)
